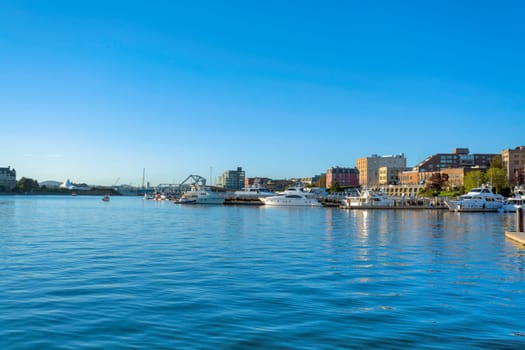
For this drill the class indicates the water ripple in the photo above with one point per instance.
(80, 273)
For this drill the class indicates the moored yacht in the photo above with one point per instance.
(253, 192)
(200, 195)
(293, 196)
(480, 199)
(516, 201)
(368, 199)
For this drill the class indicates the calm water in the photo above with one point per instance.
(76, 272)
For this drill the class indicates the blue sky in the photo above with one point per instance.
(99, 90)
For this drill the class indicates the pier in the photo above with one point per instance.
(518, 235)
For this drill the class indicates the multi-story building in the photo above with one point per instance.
(232, 179)
(410, 177)
(7, 179)
(344, 177)
(368, 167)
(255, 181)
(310, 181)
(514, 164)
(390, 175)
(460, 158)
(279, 185)
(455, 176)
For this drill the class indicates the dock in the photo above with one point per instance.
(518, 235)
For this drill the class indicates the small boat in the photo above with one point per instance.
(292, 197)
(106, 198)
(368, 199)
(480, 199)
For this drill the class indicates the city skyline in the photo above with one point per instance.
(96, 91)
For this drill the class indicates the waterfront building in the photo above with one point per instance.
(368, 167)
(402, 191)
(389, 175)
(514, 164)
(7, 179)
(455, 176)
(232, 179)
(344, 177)
(459, 158)
(255, 181)
(409, 177)
(279, 185)
(310, 181)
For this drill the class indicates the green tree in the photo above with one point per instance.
(496, 162)
(27, 185)
(474, 179)
(497, 179)
(335, 187)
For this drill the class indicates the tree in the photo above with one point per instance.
(436, 181)
(474, 179)
(27, 185)
(496, 162)
(497, 179)
(335, 187)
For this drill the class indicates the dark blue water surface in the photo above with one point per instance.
(76, 272)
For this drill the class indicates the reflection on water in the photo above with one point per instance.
(134, 273)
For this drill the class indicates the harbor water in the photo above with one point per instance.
(77, 272)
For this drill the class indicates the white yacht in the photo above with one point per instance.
(253, 192)
(480, 199)
(293, 196)
(513, 203)
(200, 195)
(516, 201)
(368, 199)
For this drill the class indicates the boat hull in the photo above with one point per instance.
(474, 206)
(283, 202)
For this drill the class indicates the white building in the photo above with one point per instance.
(7, 179)
(68, 185)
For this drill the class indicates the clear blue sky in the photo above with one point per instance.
(96, 90)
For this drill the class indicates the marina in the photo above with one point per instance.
(356, 175)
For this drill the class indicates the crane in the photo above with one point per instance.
(115, 184)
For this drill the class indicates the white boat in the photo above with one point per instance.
(292, 197)
(106, 198)
(200, 195)
(511, 204)
(368, 199)
(480, 199)
(516, 201)
(253, 192)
